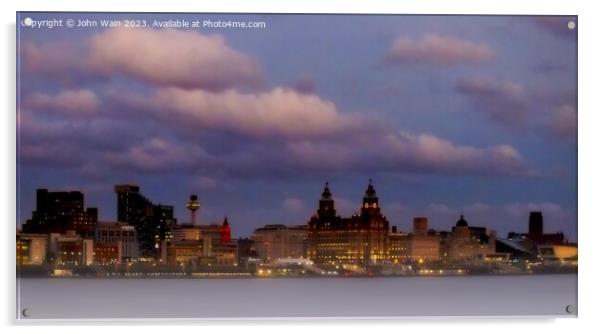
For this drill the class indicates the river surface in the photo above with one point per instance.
(73, 298)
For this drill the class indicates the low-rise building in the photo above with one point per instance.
(273, 242)
(423, 246)
(114, 233)
(71, 250)
(31, 248)
(107, 253)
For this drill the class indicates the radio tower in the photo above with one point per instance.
(193, 205)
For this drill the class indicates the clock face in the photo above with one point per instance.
(366, 205)
(374, 205)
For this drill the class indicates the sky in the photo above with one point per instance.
(448, 115)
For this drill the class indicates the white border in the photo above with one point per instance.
(589, 153)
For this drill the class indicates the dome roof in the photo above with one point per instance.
(461, 221)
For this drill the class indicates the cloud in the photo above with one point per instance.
(172, 57)
(204, 182)
(504, 102)
(165, 57)
(436, 49)
(511, 105)
(304, 85)
(557, 25)
(81, 102)
(156, 155)
(292, 204)
(277, 133)
(396, 151)
(61, 60)
(563, 122)
(279, 112)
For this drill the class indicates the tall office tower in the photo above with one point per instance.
(152, 221)
(59, 212)
(535, 225)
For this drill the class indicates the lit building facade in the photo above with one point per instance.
(192, 244)
(423, 245)
(31, 249)
(361, 239)
(106, 253)
(124, 234)
(398, 247)
(273, 242)
(469, 243)
(71, 249)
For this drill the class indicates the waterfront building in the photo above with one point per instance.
(186, 232)
(202, 244)
(246, 250)
(31, 248)
(59, 212)
(107, 253)
(152, 222)
(277, 241)
(423, 245)
(361, 239)
(124, 234)
(558, 254)
(470, 243)
(535, 235)
(71, 249)
(184, 252)
(398, 246)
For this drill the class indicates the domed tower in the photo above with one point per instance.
(461, 222)
(461, 228)
(225, 232)
(326, 205)
(370, 201)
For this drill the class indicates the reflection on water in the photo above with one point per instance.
(299, 297)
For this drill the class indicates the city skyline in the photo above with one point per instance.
(392, 225)
(448, 114)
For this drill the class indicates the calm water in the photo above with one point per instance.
(546, 295)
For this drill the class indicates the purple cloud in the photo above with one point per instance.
(81, 102)
(436, 49)
(504, 102)
(172, 57)
(511, 105)
(563, 122)
(557, 25)
(160, 57)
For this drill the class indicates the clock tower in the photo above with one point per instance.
(326, 206)
(370, 201)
